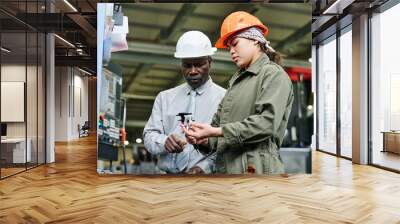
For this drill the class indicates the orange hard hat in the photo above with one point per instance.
(236, 22)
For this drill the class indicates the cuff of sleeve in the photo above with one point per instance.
(231, 136)
(161, 143)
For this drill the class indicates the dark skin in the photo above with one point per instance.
(196, 73)
(196, 70)
(174, 144)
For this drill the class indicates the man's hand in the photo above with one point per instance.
(174, 144)
(195, 170)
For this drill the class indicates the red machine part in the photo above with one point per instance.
(122, 134)
(102, 117)
(294, 73)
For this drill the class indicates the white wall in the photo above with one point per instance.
(33, 127)
(16, 73)
(61, 103)
(12, 73)
(71, 94)
(80, 110)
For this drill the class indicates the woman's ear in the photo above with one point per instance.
(256, 42)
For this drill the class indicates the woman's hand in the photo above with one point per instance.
(198, 132)
(194, 141)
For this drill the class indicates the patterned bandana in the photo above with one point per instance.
(254, 33)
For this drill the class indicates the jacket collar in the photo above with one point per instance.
(257, 65)
(253, 69)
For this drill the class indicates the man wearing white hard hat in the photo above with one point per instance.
(199, 96)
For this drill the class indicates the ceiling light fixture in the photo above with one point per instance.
(70, 5)
(5, 50)
(84, 71)
(337, 7)
(65, 41)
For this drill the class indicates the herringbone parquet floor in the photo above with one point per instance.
(70, 191)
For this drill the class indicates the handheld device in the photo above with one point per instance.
(186, 119)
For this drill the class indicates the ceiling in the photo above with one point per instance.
(74, 21)
(154, 28)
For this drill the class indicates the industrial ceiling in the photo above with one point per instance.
(154, 28)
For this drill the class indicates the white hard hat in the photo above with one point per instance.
(194, 44)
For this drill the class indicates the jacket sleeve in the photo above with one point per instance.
(153, 134)
(270, 106)
(215, 122)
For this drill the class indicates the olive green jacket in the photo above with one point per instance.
(253, 115)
